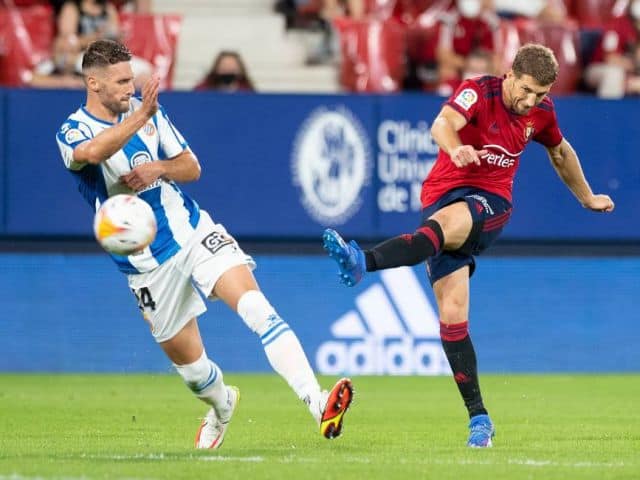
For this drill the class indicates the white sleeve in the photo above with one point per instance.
(71, 134)
(172, 142)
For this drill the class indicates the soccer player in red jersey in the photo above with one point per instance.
(482, 130)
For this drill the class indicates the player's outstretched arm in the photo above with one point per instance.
(565, 161)
(112, 139)
(445, 132)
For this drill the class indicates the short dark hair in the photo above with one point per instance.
(103, 53)
(537, 61)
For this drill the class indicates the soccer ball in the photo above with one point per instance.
(124, 224)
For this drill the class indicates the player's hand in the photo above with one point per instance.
(465, 155)
(599, 203)
(150, 96)
(142, 176)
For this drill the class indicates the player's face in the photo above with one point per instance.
(115, 86)
(523, 93)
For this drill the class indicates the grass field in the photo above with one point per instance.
(142, 427)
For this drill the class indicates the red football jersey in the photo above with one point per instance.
(494, 127)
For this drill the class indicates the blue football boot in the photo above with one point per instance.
(481, 431)
(350, 257)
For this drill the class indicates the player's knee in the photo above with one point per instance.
(199, 375)
(453, 313)
(257, 312)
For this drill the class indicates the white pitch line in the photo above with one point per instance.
(292, 459)
(162, 456)
(229, 459)
(17, 476)
(527, 462)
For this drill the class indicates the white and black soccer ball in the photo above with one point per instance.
(124, 224)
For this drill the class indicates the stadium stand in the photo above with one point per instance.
(154, 38)
(246, 26)
(27, 33)
(563, 39)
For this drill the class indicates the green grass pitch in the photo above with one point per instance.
(142, 427)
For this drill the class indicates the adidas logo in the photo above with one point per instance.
(393, 330)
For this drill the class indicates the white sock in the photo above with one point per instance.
(204, 378)
(280, 343)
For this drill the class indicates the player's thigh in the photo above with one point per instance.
(219, 267)
(234, 283)
(167, 298)
(456, 222)
(452, 296)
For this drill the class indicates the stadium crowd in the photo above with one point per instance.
(376, 45)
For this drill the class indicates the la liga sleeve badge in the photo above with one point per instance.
(466, 98)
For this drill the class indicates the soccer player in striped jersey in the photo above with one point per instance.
(117, 143)
(466, 201)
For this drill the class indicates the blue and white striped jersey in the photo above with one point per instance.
(176, 214)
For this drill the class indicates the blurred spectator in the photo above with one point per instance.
(339, 8)
(477, 64)
(469, 28)
(615, 69)
(228, 74)
(320, 15)
(59, 71)
(88, 20)
(134, 6)
(554, 11)
(80, 22)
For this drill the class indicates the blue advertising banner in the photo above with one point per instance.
(406, 154)
(282, 165)
(76, 313)
(287, 166)
(41, 196)
(3, 156)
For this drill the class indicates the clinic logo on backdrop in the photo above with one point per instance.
(393, 330)
(331, 164)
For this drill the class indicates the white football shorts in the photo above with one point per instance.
(171, 295)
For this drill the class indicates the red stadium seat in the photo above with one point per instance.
(422, 42)
(373, 55)
(26, 36)
(426, 12)
(154, 38)
(423, 32)
(380, 9)
(592, 14)
(563, 39)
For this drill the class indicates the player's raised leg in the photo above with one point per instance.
(239, 289)
(448, 228)
(205, 380)
(452, 296)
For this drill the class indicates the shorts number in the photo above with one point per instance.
(144, 298)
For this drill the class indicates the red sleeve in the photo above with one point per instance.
(467, 99)
(550, 135)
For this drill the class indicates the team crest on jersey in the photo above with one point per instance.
(466, 98)
(149, 129)
(331, 164)
(529, 130)
(139, 158)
